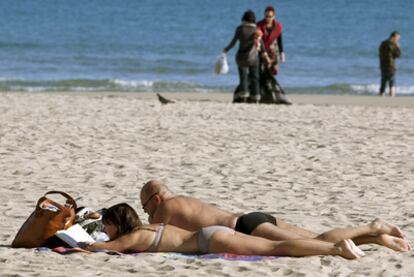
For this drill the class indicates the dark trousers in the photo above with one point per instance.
(249, 75)
(387, 77)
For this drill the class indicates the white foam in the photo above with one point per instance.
(374, 89)
(133, 84)
(28, 89)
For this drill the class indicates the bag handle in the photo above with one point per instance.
(69, 199)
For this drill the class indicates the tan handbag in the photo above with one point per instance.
(47, 218)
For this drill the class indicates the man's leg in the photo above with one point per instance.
(295, 229)
(377, 232)
(273, 232)
(383, 83)
(282, 231)
(376, 227)
(391, 80)
(391, 242)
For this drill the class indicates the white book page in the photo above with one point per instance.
(74, 234)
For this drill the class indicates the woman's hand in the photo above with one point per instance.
(85, 245)
(282, 57)
(269, 62)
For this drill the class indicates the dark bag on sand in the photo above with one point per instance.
(48, 217)
(247, 59)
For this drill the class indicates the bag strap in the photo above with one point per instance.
(69, 199)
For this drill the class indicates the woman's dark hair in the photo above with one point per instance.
(123, 216)
(249, 16)
(269, 9)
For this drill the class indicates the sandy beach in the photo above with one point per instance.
(324, 162)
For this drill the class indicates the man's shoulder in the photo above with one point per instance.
(183, 204)
(179, 200)
(178, 206)
(385, 42)
(384, 46)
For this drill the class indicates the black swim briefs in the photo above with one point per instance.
(248, 222)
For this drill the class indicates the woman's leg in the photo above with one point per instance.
(241, 244)
(244, 82)
(254, 80)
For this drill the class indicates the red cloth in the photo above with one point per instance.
(268, 38)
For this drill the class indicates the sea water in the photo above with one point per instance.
(331, 46)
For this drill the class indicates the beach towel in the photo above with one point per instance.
(223, 256)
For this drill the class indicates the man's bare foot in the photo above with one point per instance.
(348, 249)
(394, 243)
(380, 227)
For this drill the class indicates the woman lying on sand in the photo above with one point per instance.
(128, 234)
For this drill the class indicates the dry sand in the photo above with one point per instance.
(324, 162)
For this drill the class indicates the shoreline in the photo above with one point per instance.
(226, 97)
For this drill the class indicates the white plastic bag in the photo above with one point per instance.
(221, 66)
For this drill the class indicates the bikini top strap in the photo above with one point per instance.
(157, 238)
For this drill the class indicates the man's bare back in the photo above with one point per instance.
(191, 214)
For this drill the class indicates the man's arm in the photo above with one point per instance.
(396, 51)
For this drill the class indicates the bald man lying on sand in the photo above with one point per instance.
(189, 213)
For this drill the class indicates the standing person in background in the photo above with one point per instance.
(247, 59)
(272, 37)
(273, 44)
(389, 50)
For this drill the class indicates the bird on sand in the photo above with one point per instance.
(164, 100)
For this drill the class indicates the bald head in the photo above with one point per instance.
(154, 186)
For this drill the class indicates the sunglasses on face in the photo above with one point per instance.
(149, 199)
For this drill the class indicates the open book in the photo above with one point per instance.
(73, 235)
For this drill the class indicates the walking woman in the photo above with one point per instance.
(247, 59)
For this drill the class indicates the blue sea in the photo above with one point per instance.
(170, 45)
